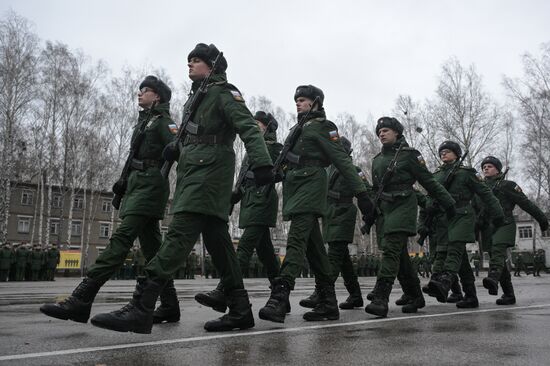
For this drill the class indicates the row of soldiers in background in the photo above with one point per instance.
(22, 262)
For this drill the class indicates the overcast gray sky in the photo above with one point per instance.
(363, 54)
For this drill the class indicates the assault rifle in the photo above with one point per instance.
(187, 126)
(119, 188)
(502, 177)
(446, 184)
(365, 229)
(289, 144)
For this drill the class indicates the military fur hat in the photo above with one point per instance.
(450, 145)
(389, 122)
(492, 160)
(267, 119)
(208, 54)
(347, 144)
(311, 92)
(158, 86)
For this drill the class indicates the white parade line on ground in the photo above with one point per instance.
(256, 333)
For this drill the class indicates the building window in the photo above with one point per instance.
(23, 225)
(106, 206)
(104, 230)
(54, 227)
(78, 203)
(76, 228)
(546, 234)
(26, 197)
(525, 232)
(56, 201)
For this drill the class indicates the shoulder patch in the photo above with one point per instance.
(333, 135)
(518, 189)
(420, 159)
(237, 95)
(173, 128)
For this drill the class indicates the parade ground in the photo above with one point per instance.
(439, 334)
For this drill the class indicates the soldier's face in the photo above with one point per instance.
(146, 97)
(447, 156)
(198, 69)
(387, 135)
(303, 104)
(489, 170)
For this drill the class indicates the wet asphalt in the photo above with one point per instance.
(439, 334)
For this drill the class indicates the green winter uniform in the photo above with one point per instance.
(397, 208)
(339, 224)
(145, 199)
(205, 173)
(21, 255)
(257, 214)
(37, 261)
(509, 195)
(52, 260)
(6, 258)
(305, 189)
(452, 235)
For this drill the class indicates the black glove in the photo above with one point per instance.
(119, 188)
(236, 197)
(171, 152)
(450, 212)
(543, 225)
(263, 175)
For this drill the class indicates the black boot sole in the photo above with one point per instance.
(173, 319)
(143, 329)
(434, 291)
(271, 317)
(58, 315)
(377, 313)
(205, 300)
(319, 318)
(491, 286)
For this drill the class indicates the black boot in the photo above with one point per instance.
(312, 300)
(470, 297)
(426, 288)
(491, 281)
(327, 308)
(403, 300)
(169, 309)
(275, 308)
(379, 305)
(76, 307)
(440, 288)
(137, 315)
(355, 299)
(288, 308)
(508, 296)
(239, 315)
(417, 299)
(214, 299)
(456, 293)
(370, 295)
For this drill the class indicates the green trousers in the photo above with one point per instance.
(121, 242)
(183, 233)
(305, 239)
(340, 262)
(258, 237)
(395, 258)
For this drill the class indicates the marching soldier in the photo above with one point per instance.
(497, 241)
(464, 184)
(143, 205)
(338, 232)
(201, 202)
(304, 201)
(539, 262)
(258, 212)
(397, 212)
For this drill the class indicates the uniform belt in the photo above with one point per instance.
(307, 163)
(398, 187)
(144, 164)
(203, 139)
